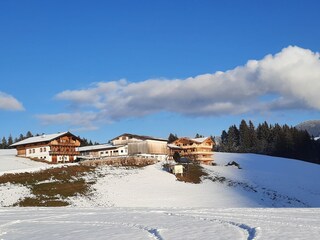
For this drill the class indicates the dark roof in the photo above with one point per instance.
(139, 137)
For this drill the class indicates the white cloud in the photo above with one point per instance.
(292, 75)
(8, 102)
(85, 121)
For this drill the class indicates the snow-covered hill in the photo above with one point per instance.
(263, 181)
(149, 203)
(311, 126)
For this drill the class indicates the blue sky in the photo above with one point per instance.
(102, 68)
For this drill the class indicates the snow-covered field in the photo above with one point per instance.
(149, 203)
(263, 181)
(155, 223)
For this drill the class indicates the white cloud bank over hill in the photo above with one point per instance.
(8, 102)
(289, 79)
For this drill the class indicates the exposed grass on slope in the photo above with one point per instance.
(193, 173)
(51, 187)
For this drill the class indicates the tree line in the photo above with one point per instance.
(274, 140)
(7, 142)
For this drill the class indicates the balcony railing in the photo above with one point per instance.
(64, 153)
(64, 144)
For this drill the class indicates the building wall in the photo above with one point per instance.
(107, 152)
(148, 147)
(61, 149)
(198, 151)
(124, 140)
(40, 152)
(119, 151)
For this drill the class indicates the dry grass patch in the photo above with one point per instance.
(51, 187)
(193, 173)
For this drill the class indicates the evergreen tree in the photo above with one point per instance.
(233, 139)
(21, 137)
(4, 143)
(10, 141)
(172, 137)
(176, 157)
(199, 136)
(244, 137)
(275, 140)
(29, 134)
(264, 138)
(253, 138)
(224, 141)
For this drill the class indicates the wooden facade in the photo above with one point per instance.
(196, 149)
(53, 148)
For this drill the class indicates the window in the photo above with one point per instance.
(122, 151)
(44, 149)
(30, 151)
(33, 150)
(40, 149)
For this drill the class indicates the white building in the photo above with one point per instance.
(102, 150)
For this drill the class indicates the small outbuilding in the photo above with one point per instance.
(177, 169)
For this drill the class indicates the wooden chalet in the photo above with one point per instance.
(195, 149)
(54, 148)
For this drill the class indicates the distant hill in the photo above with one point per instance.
(312, 127)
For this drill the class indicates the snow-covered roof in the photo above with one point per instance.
(96, 147)
(141, 137)
(199, 140)
(41, 138)
(173, 146)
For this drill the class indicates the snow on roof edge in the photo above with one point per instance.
(36, 139)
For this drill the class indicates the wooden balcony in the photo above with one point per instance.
(63, 144)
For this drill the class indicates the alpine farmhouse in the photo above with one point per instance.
(53, 148)
(196, 149)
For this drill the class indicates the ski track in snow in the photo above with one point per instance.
(158, 224)
(251, 232)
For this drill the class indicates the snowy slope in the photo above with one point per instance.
(279, 182)
(148, 203)
(10, 163)
(263, 181)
